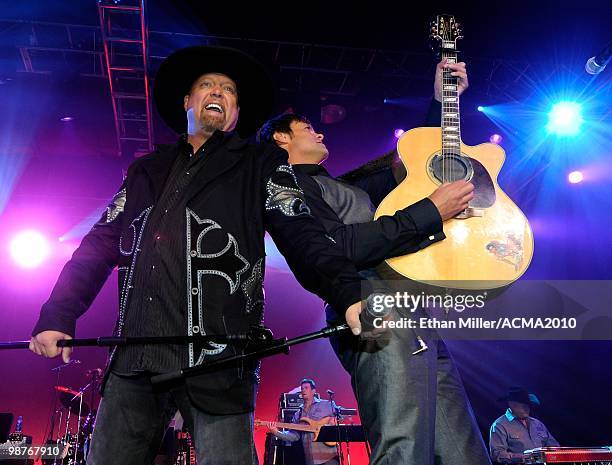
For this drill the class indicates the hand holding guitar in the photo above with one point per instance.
(488, 241)
(306, 424)
(458, 70)
(271, 426)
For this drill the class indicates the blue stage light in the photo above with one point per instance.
(480, 108)
(565, 119)
(575, 177)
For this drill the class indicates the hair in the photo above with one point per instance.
(280, 123)
(309, 381)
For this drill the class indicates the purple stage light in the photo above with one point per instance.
(575, 177)
(496, 139)
(332, 113)
(398, 133)
(29, 249)
(66, 119)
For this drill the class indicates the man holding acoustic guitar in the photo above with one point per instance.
(413, 407)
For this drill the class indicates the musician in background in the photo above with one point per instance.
(515, 431)
(315, 453)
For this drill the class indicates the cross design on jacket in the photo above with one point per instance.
(226, 263)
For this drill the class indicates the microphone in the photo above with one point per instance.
(596, 64)
(330, 392)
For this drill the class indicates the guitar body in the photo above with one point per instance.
(306, 424)
(318, 424)
(490, 247)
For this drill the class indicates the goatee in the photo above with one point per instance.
(210, 125)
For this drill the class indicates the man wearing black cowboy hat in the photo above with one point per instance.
(186, 231)
(515, 431)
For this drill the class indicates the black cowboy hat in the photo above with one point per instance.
(179, 71)
(519, 394)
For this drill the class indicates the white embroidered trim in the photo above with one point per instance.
(127, 281)
(285, 198)
(198, 292)
(250, 286)
(116, 206)
(131, 251)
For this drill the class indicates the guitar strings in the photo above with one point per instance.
(449, 107)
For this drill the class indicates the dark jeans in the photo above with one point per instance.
(413, 407)
(132, 419)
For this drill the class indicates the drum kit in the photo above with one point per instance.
(73, 418)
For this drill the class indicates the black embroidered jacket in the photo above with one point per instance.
(243, 191)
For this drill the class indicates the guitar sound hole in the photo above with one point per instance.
(450, 167)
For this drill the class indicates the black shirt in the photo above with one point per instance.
(157, 306)
(345, 210)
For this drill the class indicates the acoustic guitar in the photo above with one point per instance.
(488, 245)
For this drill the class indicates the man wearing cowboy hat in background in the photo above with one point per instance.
(515, 431)
(186, 231)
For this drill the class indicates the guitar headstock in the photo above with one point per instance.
(445, 31)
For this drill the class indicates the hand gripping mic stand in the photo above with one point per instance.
(261, 340)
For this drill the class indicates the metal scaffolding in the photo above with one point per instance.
(124, 35)
(125, 52)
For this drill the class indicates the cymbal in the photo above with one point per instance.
(71, 400)
(67, 390)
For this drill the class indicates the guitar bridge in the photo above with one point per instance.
(470, 212)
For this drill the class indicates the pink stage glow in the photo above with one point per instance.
(29, 249)
(495, 139)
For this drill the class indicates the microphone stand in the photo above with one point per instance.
(338, 417)
(88, 426)
(123, 341)
(262, 339)
(264, 349)
(59, 369)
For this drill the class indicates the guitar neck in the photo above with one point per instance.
(294, 426)
(451, 123)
